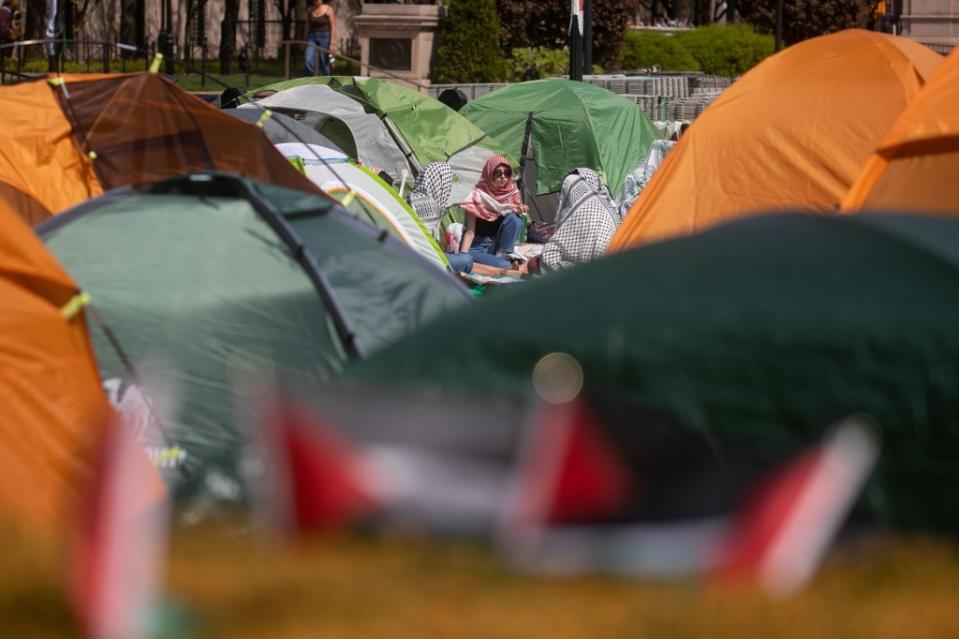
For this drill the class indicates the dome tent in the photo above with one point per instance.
(758, 333)
(72, 137)
(793, 132)
(53, 406)
(367, 196)
(565, 125)
(424, 129)
(916, 163)
(228, 280)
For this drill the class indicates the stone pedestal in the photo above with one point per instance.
(396, 41)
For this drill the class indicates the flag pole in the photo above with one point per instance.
(576, 41)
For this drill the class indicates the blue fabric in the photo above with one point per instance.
(460, 262)
(318, 39)
(485, 248)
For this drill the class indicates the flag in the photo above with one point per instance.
(120, 539)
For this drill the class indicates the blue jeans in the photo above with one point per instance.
(317, 39)
(460, 262)
(484, 248)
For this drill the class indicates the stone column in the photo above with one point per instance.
(396, 41)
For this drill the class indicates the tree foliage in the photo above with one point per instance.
(534, 23)
(726, 50)
(807, 18)
(469, 44)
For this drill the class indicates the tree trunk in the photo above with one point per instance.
(36, 19)
(128, 26)
(228, 35)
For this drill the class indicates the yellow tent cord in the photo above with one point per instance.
(155, 65)
(75, 305)
(263, 118)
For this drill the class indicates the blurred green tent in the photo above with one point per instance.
(759, 333)
(227, 283)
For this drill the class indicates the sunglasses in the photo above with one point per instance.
(501, 173)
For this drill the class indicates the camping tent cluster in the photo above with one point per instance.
(180, 250)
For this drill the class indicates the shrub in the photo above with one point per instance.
(807, 18)
(534, 63)
(726, 50)
(643, 49)
(468, 49)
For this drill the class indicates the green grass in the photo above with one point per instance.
(267, 72)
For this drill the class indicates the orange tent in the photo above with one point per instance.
(53, 407)
(72, 137)
(793, 132)
(917, 164)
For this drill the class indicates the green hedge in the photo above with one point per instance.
(726, 50)
(468, 49)
(644, 49)
(716, 49)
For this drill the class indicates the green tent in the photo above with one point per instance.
(226, 283)
(759, 333)
(570, 125)
(425, 129)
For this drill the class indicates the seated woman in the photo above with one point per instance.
(585, 222)
(493, 223)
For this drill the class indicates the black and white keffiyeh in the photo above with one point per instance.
(431, 194)
(585, 221)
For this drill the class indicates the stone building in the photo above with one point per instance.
(933, 22)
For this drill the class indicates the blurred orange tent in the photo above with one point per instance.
(917, 165)
(69, 138)
(792, 132)
(52, 407)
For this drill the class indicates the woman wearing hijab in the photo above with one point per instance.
(493, 223)
(585, 222)
(430, 198)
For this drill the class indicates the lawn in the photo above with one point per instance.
(189, 77)
(233, 585)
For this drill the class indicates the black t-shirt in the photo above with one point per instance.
(490, 229)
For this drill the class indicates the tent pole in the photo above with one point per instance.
(524, 152)
(306, 260)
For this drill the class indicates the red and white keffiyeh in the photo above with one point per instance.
(487, 202)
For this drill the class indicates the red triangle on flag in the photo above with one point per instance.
(786, 526)
(326, 486)
(572, 472)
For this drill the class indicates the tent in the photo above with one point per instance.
(915, 165)
(367, 196)
(792, 132)
(759, 333)
(69, 138)
(282, 129)
(423, 128)
(227, 283)
(565, 125)
(359, 134)
(53, 406)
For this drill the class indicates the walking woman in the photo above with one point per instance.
(320, 32)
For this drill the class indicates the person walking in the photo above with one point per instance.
(320, 33)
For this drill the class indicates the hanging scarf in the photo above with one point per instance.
(485, 201)
(431, 194)
(585, 221)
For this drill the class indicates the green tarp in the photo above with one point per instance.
(573, 125)
(760, 333)
(197, 279)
